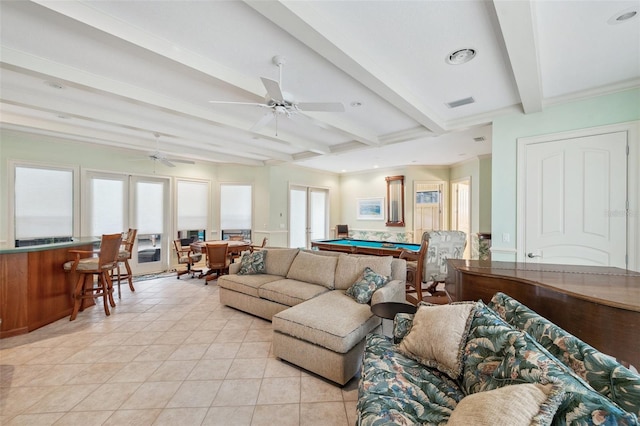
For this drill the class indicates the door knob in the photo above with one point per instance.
(531, 255)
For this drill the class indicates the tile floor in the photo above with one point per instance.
(169, 354)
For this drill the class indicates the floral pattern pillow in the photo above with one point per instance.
(253, 263)
(362, 290)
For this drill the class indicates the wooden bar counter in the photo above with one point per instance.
(599, 305)
(34, 289)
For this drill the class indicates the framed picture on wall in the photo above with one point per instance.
(370, 208)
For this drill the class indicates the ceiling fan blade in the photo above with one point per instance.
(262, 122)
(240, 103)
(321, 106)
(178, 160)
(166, 162)
(273, 89)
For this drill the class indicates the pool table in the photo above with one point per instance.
(376, 248)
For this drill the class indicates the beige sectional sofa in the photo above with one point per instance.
(317, 326)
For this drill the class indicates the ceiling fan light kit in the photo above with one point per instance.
(282, 103)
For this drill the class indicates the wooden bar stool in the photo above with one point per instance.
(86, 268)
(126, 249)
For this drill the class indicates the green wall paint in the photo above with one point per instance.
(614, 108)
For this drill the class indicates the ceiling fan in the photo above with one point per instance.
(161, 157)
(282, 103)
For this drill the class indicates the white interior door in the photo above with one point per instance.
(461, 210)
(428, 209)
(575, 195)
(308, 215)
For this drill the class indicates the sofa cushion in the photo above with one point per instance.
(278, 261)
(247, 284)
(290, 292)
(438, 336)
(362, 290)
(253, 263)
(350, 268)
(516, 405)
(313, 268)
(394, 389)
(498, 355)
(332, 320)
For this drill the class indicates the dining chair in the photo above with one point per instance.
(188, 257)
(415, 261)
(217, 260)
(254, 247)
(102, 266)
(429, 265)
(236, 238)
(342, 231)
(124, 255)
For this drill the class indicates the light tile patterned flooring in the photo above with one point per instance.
(169, 354)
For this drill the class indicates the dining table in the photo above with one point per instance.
(236, 247)
(234, 250)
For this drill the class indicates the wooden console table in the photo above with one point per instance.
(34, 288)
(598, 305)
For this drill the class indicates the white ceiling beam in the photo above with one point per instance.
(94, 18)
(518, 25)
(301, 20)
(196, 135)
(99, 137)
(88, 81)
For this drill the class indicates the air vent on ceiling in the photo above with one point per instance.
(460, 102)
(479, 139)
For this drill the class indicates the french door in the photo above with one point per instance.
(116, 202)
(308, 215)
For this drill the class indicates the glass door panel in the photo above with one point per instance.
(297, 217)
(150, 203)
(318, 213)
(308, 212)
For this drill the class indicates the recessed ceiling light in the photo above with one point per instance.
(623, 16)
(375, 166)
(342, 171)
(356, 104)
(54, 84)
(461, 56)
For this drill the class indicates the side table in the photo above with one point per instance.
(388, 310)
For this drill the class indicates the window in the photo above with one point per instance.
(236, 209)
(43, 205)
(193, 209)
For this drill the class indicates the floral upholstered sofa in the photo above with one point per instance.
(510, 364)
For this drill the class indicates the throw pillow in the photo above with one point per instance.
(514, 405)
(253, 263)
(438, 336)
(363, 289)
